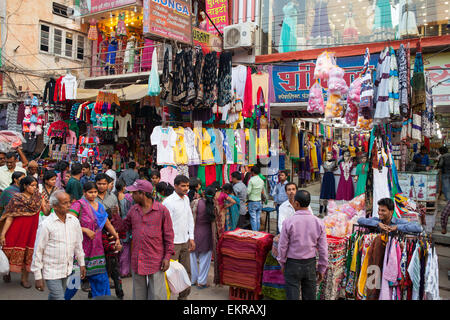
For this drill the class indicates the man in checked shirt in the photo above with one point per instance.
(152, 242)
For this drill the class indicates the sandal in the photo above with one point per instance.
(203, 286)
(25, 285)
(7, 278)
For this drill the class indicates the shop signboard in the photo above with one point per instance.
(208, 41)
(94, 6)
(292, 80)
(168, 19)
(218, 13)
(438, 67)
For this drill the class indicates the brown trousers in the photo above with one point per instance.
(182, 254)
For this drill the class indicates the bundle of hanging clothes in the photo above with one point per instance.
(393, 266)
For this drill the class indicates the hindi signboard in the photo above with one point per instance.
(218, 13)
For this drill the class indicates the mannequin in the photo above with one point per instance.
(288, 38)
(345, 189)
(204, 23)
(361, 176)
(111, 57)
(352, 149)
(328, 187)
(321, 31)
(336, 151)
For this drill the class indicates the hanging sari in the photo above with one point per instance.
(93, 220)
(21, 235)
(232, 216)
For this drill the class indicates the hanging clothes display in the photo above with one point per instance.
(350, 34)
(288, 38)
(328, 187)
(321, 31)
(381, 88)
(121, 30)
(93, 33)
(407, 20)
(345, 190)
(361, 172)
(382, 28)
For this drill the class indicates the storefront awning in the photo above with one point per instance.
(131, 93)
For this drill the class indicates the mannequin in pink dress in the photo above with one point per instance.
(345, 189)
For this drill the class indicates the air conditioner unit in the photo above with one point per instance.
(240, 35)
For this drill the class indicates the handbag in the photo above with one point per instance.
(4, 263)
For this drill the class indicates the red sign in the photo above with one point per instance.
(168, 19)
(218, 13)
(104, 5)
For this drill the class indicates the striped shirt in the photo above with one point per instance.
(152, 235)
(56, 247)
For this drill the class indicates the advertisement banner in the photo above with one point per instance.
(218, 13)
(94, 6)
(169, 19)
(292, 80)
(438, 67)
(208, 41)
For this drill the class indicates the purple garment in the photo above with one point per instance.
(125, 260)
(193, 171)
(20, 113)
(302, 236)
(345, 189)
(321, 26)
(203, 231)
(147, 55)
(92, 248)
(390, 271)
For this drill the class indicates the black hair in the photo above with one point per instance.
(228, 187)
(161, 188)
(101, 176)
(109, 179)
(108, 162)
(86, 165)
(89, 186)
(169, 190)
(16, 175)
(10, 155)
(194, 182)
(210, 193)
(76, 169)
(148, 163)
(284, 172)
(155, 173)
(179, 179)
(386, 202)
(237, 175)
(215, 185)
(443, 150)
(120, 185)
(290, 184)
(132, 165)
(256, 170)
(303, 197)
(423, 148)
(61, 166)
(48, 175)
(25, 182)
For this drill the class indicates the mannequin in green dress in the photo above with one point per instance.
(361, 176)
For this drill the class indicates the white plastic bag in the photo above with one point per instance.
(4, 263)
(177, 277)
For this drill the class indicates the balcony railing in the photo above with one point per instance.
(119, 62)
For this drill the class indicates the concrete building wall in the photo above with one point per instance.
(28, 67)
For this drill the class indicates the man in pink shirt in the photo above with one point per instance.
(302, 235)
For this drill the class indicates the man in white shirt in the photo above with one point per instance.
(59, 241)
(287, 208)
(179, 207)
(7, 171)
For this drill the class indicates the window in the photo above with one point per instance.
(69, 45)
(60, 42)
(57, 42)
(45, 38)
(80, 47)
(60, 10)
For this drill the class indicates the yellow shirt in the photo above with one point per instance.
(263, 146)
(313, 150)
(352, 151)
(207, 155)
(294, 146)
(179, 150)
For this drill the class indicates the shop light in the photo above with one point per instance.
(439, 134)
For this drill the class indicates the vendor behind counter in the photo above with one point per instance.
(422, 158)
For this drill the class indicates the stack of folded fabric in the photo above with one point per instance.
(241, 256)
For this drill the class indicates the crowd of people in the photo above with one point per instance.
(90, 222)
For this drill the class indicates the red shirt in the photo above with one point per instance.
(152, 236)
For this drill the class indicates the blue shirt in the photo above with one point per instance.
(279, 193)
(402, 225)
(85, 179)
(424, 160)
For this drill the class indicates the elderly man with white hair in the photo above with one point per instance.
(60, 239)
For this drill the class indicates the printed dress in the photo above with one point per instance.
(345, 189)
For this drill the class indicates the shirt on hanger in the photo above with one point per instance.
(165, 139)
(70, 83)
(168, 174)
(122, 123)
